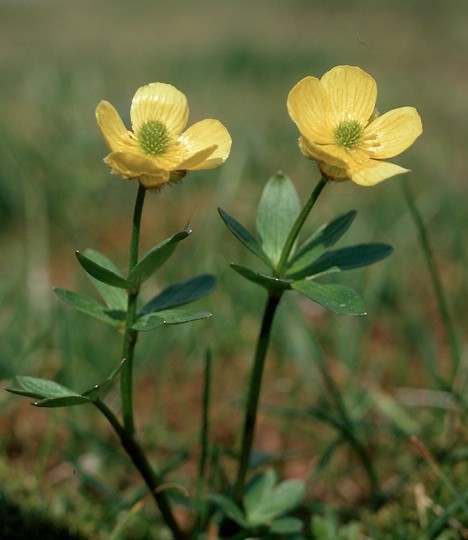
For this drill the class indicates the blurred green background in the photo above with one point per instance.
(235, 61)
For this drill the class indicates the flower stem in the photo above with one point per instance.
(130, 336)
(255, 384)
(435, 277)
(254, 393)
(140, 461)
(296, 228)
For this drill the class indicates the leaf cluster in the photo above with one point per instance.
(277, 213)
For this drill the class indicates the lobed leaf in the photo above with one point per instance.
(230, 508)
(347, 258)
(277, 211)
(155, 258)
(244, 236)
(318, 243)
(286, 525)
(336, 298)
(180, 293)
(264, 501)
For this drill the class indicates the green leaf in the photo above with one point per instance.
(336, 298)
(243, 235)
(229, 508)
(318, 243)
(256, 495)
(277, 211)
(100, 389)
(91, 307)
(180, 294)
(45, 388)
(286, 525)
(49, 393)
(155, 258)
(151, 321)
(269, 282)
(66, 401)
(264, 501)
(347, 258)
(100, 272)
(114, 297)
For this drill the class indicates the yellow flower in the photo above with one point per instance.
(341, 131)
(157, 150)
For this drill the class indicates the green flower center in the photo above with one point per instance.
(153, 138)
(348, 134)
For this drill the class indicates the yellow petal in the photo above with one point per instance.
(159, 102)
(132, 165)
(320, 153)
(393, 132)
(308, 107)
(377, 172)
(352, 94)
(194, 161)
(116, 135)
(199, 138)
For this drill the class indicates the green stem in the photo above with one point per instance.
(296, 228)
(255, 384)
(254, 393)
(130, 336)
(434, 273)
(140, 461)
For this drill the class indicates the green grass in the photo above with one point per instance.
(235, 61)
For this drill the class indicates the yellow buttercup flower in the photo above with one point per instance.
(341, 131)
(158, 150)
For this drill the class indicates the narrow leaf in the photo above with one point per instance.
(269, 282)
(244, 236)
(333, 297)
(277, 211)
(114, 297)
(66, 401)
(100, 389)
(347, 258)
(100, 272)
(229, 508)
(180, 294)
(286, 525)
(92, 307)
(151, 321)
(155, 258)
(44, 388)
(318, 243)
